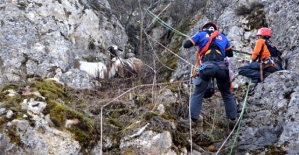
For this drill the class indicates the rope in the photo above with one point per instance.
(243, 109)
(190, 121)
(241, 52)
(182, 34)
(178, 32)
(165, 24)
(168, 49)
(237, 124)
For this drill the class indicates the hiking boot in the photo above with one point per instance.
(186, 123)
(232, 123)
(195, 124)
(198, 125)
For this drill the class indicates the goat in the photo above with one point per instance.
(113, 51)
(116, 67)
(94, 69)
(124, 67)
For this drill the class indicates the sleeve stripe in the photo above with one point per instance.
(228, 48)
(193, 43)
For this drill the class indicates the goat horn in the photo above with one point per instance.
(120, 49)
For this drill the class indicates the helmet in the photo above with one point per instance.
(264, 32)
(209, 26)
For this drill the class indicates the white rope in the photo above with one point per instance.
(230, 134)
(190, 123)
(169, 50)
(191, 68)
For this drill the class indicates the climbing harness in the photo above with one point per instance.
(200, 68)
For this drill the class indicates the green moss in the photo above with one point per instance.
(11, 86)
(57, 113)
(275, 150)
(53, 92)
(168, 116)
(256, 152)
(2, 121)
(172, 88)
(170, 60)
(169, 113)
(113, 121)
(83, 131)
(117, 113)
(257, 19)
(131, 128)
(81, 101)
(139, 99)
(14, 137)
(148, 115)
(49, 89)
(183, 28)
(153, 105)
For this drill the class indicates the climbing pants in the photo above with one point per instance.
(219, 71)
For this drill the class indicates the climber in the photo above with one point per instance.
(265, 58)
(213, 48)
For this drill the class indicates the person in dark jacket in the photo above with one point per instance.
(213, 47)
(265, 58)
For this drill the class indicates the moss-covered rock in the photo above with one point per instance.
(58, 106)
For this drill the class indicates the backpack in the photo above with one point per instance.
(275, 53)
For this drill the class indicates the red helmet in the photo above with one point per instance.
(264, 32)
(209, 24)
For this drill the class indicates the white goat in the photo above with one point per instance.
(94, 69)
(116, 67)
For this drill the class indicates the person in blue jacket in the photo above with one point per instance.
(213, 47)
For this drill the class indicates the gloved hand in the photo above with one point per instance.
(201, 67)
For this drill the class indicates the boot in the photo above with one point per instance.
(186, 123)
(198, 124)
(195, 124)
(231, 124)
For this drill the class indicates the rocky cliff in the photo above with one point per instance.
(49, 106)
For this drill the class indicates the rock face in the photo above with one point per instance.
(40, 138)
(42, 38)
(271, 115)
(39, 36)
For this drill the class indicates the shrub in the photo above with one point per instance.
(247, 9)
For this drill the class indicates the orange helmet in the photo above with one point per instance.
(264, 32)
(209, 24)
